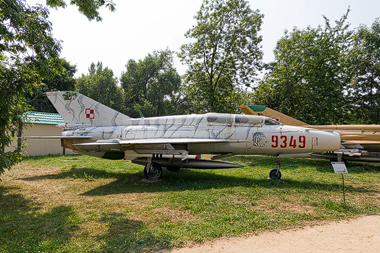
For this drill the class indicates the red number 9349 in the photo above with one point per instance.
(284, 141)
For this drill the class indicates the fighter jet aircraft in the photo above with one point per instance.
(176, 142)
(360, 143)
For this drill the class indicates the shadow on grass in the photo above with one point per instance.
(321, 165)
(125, 235)
(72, 157)
(186, 179)
(84, 173)
(24, 228)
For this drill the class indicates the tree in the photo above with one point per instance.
(28, 53)
(365, 65)
(225, 55)
(101, 85)
(89, 8)
(58, 82)
(309, 77)
(152, 85)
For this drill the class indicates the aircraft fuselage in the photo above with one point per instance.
(238, 134)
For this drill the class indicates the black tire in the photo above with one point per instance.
(173, 168)
(155, 174)
(275, 174)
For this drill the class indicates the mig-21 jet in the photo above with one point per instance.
(175, 142)
(360, 143)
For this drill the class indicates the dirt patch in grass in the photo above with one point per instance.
(276, 207)
(173, 215)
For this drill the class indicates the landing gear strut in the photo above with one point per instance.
(275, 174)
(153, 171)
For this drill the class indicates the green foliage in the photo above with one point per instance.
(8, 159)
(365, 67)
(225, 55)
(59, 82)
(152, 85)
(89, 8)
(101, 85)
(309, 77)
(28, 54)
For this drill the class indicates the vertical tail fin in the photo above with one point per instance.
(77, 109)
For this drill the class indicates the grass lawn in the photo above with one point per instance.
(86, 204)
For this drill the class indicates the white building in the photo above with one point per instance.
(41, 124)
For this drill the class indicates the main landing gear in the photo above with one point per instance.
(153, 171)
(275, 174)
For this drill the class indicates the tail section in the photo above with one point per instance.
(266, 111)
(77, 109)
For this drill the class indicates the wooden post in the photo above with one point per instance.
(344, 192)
(19, 135)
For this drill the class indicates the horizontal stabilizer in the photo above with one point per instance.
(348, 158)
(57, 137)
(360, 142)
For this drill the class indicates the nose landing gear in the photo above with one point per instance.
(275, 174)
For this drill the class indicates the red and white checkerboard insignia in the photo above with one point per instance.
(89, 113)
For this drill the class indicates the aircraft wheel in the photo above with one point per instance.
(154, 173)
(173, 168)
(275, 174)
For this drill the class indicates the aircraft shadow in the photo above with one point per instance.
(201, 180)
(192, 179)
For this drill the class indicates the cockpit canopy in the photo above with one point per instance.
(222, 118)
(268, 121)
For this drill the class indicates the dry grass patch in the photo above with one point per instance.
(173, 215)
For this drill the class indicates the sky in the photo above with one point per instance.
(138, 28)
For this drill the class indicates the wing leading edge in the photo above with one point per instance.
(152, 141)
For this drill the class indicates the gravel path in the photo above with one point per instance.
(356, 235)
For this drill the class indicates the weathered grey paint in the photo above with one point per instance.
(211, 133)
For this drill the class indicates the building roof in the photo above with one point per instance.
(45, 118)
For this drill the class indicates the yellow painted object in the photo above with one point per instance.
(266, 111)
